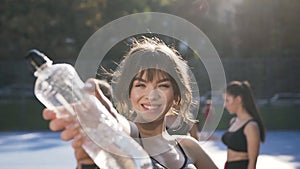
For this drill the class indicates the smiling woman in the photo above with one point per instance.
(158, 83)
(151, 82)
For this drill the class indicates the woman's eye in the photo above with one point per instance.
(139, 85)
(164, 85)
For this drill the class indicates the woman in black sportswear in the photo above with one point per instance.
(246, 129)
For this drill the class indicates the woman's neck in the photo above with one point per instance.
(155, 139)
(242, 115)
(151, 129)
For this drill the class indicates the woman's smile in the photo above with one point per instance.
(152, 110)
(151, 107)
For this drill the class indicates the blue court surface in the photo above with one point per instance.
(36, 150)
(280, 151)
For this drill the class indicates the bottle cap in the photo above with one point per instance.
(36, 58)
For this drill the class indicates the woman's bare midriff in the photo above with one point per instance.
(236, 156)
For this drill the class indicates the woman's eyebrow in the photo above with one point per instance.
(143, 80)
(139, 79)
(163, 80)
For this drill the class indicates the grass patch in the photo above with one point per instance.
(23, 114)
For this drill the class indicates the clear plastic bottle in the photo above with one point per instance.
(59, 88)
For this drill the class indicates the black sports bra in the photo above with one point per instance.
(236, 140)
(157, 165)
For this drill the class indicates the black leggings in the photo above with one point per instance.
(242, 164)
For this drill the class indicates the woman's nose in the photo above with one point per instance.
(153, 94)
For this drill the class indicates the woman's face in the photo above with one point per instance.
(151, 100)
(231, 103)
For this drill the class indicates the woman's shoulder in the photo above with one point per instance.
(251, 127)
(251, 123)
(189, 143)
(194, 151)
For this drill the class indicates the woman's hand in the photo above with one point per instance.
(70, 130)
(70, 126)
(58, 124)
(80, 154)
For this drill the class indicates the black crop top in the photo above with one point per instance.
(236, 140)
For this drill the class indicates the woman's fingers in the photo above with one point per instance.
(48, 114)
(82, 157)
(70, 131)
(80, 154)
(59, 112)
(57, 124)
(78, 141)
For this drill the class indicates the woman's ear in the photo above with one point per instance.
(238, 99)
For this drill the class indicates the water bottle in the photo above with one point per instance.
(59, 88)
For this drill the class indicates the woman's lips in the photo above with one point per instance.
(151, 107)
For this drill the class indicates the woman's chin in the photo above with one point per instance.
(148, 116)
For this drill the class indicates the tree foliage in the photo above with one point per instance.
(237, 28)
(58, 27)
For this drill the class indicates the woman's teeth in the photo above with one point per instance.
(152, 107)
